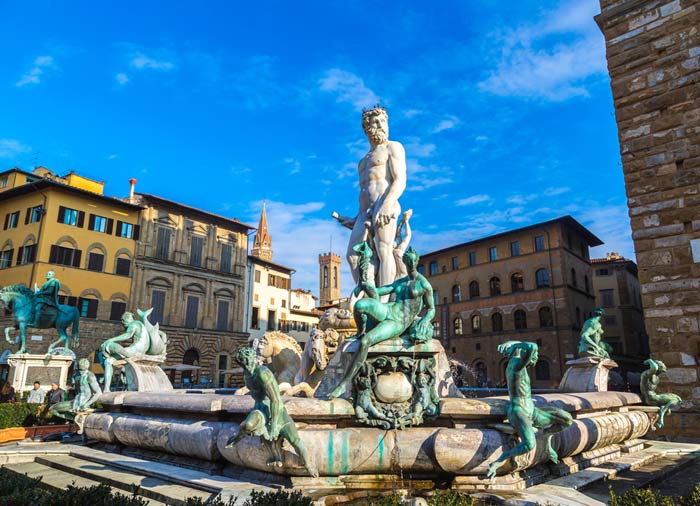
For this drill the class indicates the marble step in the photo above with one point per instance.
(60, 479)
(158, 489)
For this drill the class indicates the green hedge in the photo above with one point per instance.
(440, 498)
(18, 414)
(649, 497)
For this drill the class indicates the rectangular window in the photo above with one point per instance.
(433, 268)
(163, 243)
(33, 215)
(69, 301)
(539, 243)
(196, 248)
(226, 254)
(26, 254)
(455, 263)
(96, 262)
(11, 220)
(71, 217)
(515, 248)
(61, 255)
(271, 320)
(87, 307)
(6, 258)
(254, 319)
(117, 310)
(3, 182)
(257, 276)
(100, 224)
(125, 230)
(192, 312)
(222, 315)
(493, 254)
(123, 267)
(607, 298)
(472, 258)
(158, 305)
(421, 269)
(602, 272)
(284, 303)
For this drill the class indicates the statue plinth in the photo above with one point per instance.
(143, 373)
(587, 374)
(26, 368)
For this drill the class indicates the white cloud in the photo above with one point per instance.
(611, 224)
(34, 75)
(293, 164)
(422, 177)
(553, 59)
(521, 199)
(551, 192)
(415, 147)
(447, 123)
(474, 199)
(141, 61)
(121, 78)
(112, 157)
(410, 113)
(348, 87)
(481, 138)
(9, 148)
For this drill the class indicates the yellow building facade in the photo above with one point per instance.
(66, 224)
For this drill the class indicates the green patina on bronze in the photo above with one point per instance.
(524, 418)
(591, 343)
(330, 452)
(378, 321)
(648, 385)
(269, 418)
(88, 392)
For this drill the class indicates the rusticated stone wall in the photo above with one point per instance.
(653, 52)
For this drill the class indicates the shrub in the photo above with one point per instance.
(440, 498)
(649, 497)
(17, 414)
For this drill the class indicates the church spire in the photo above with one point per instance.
(262, 245)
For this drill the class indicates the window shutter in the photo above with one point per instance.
(9, 258)
(61, 214)
(7, 219)
(81, 218)
(91, 222)
(137, 232)
(92, 308)
(19, 254)
(76, 257)
(119, 228)
(32, 254)
(110, 225)
(26, 217)
(53, 255)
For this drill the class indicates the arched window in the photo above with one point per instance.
(325, 276)
(542, 370)
(586, 285)
(517, 283)
(473, 289)
(495, 286)
(335, 277)
(457, 324)
(573, 278)
(542, 276)
(497, 322)
(191, 357)
(456, 293)
(481, 374)
(520, 319)
(436, 297)
(546, 319)
(476, 324)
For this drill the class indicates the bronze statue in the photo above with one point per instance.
(591, 343)
(649, 384)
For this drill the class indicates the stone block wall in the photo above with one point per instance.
(653, 53)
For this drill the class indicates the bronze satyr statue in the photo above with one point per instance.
(269, 418)
(648, 386)
(523, 416)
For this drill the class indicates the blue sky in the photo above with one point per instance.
(504, 109)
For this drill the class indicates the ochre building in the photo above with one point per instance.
(530, 284)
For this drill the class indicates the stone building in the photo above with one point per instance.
(67, 224)
(533, 283)
(653, 53)
(271, 304)
(617, 289)
(190, 268)
(329, 277)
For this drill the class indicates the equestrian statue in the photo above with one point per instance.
(40, 309)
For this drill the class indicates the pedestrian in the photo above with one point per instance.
(36, 396)
(7, 394)
(54, 395)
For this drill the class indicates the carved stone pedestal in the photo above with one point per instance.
(143, 374)
(46, 369)
(587, 374)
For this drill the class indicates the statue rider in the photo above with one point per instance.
(47, 295)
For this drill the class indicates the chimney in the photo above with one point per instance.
(132, 185)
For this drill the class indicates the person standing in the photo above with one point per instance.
(7, 394)
(55, 395)
(36, 396)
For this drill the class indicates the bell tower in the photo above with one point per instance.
(262, 245)
(329, 277)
